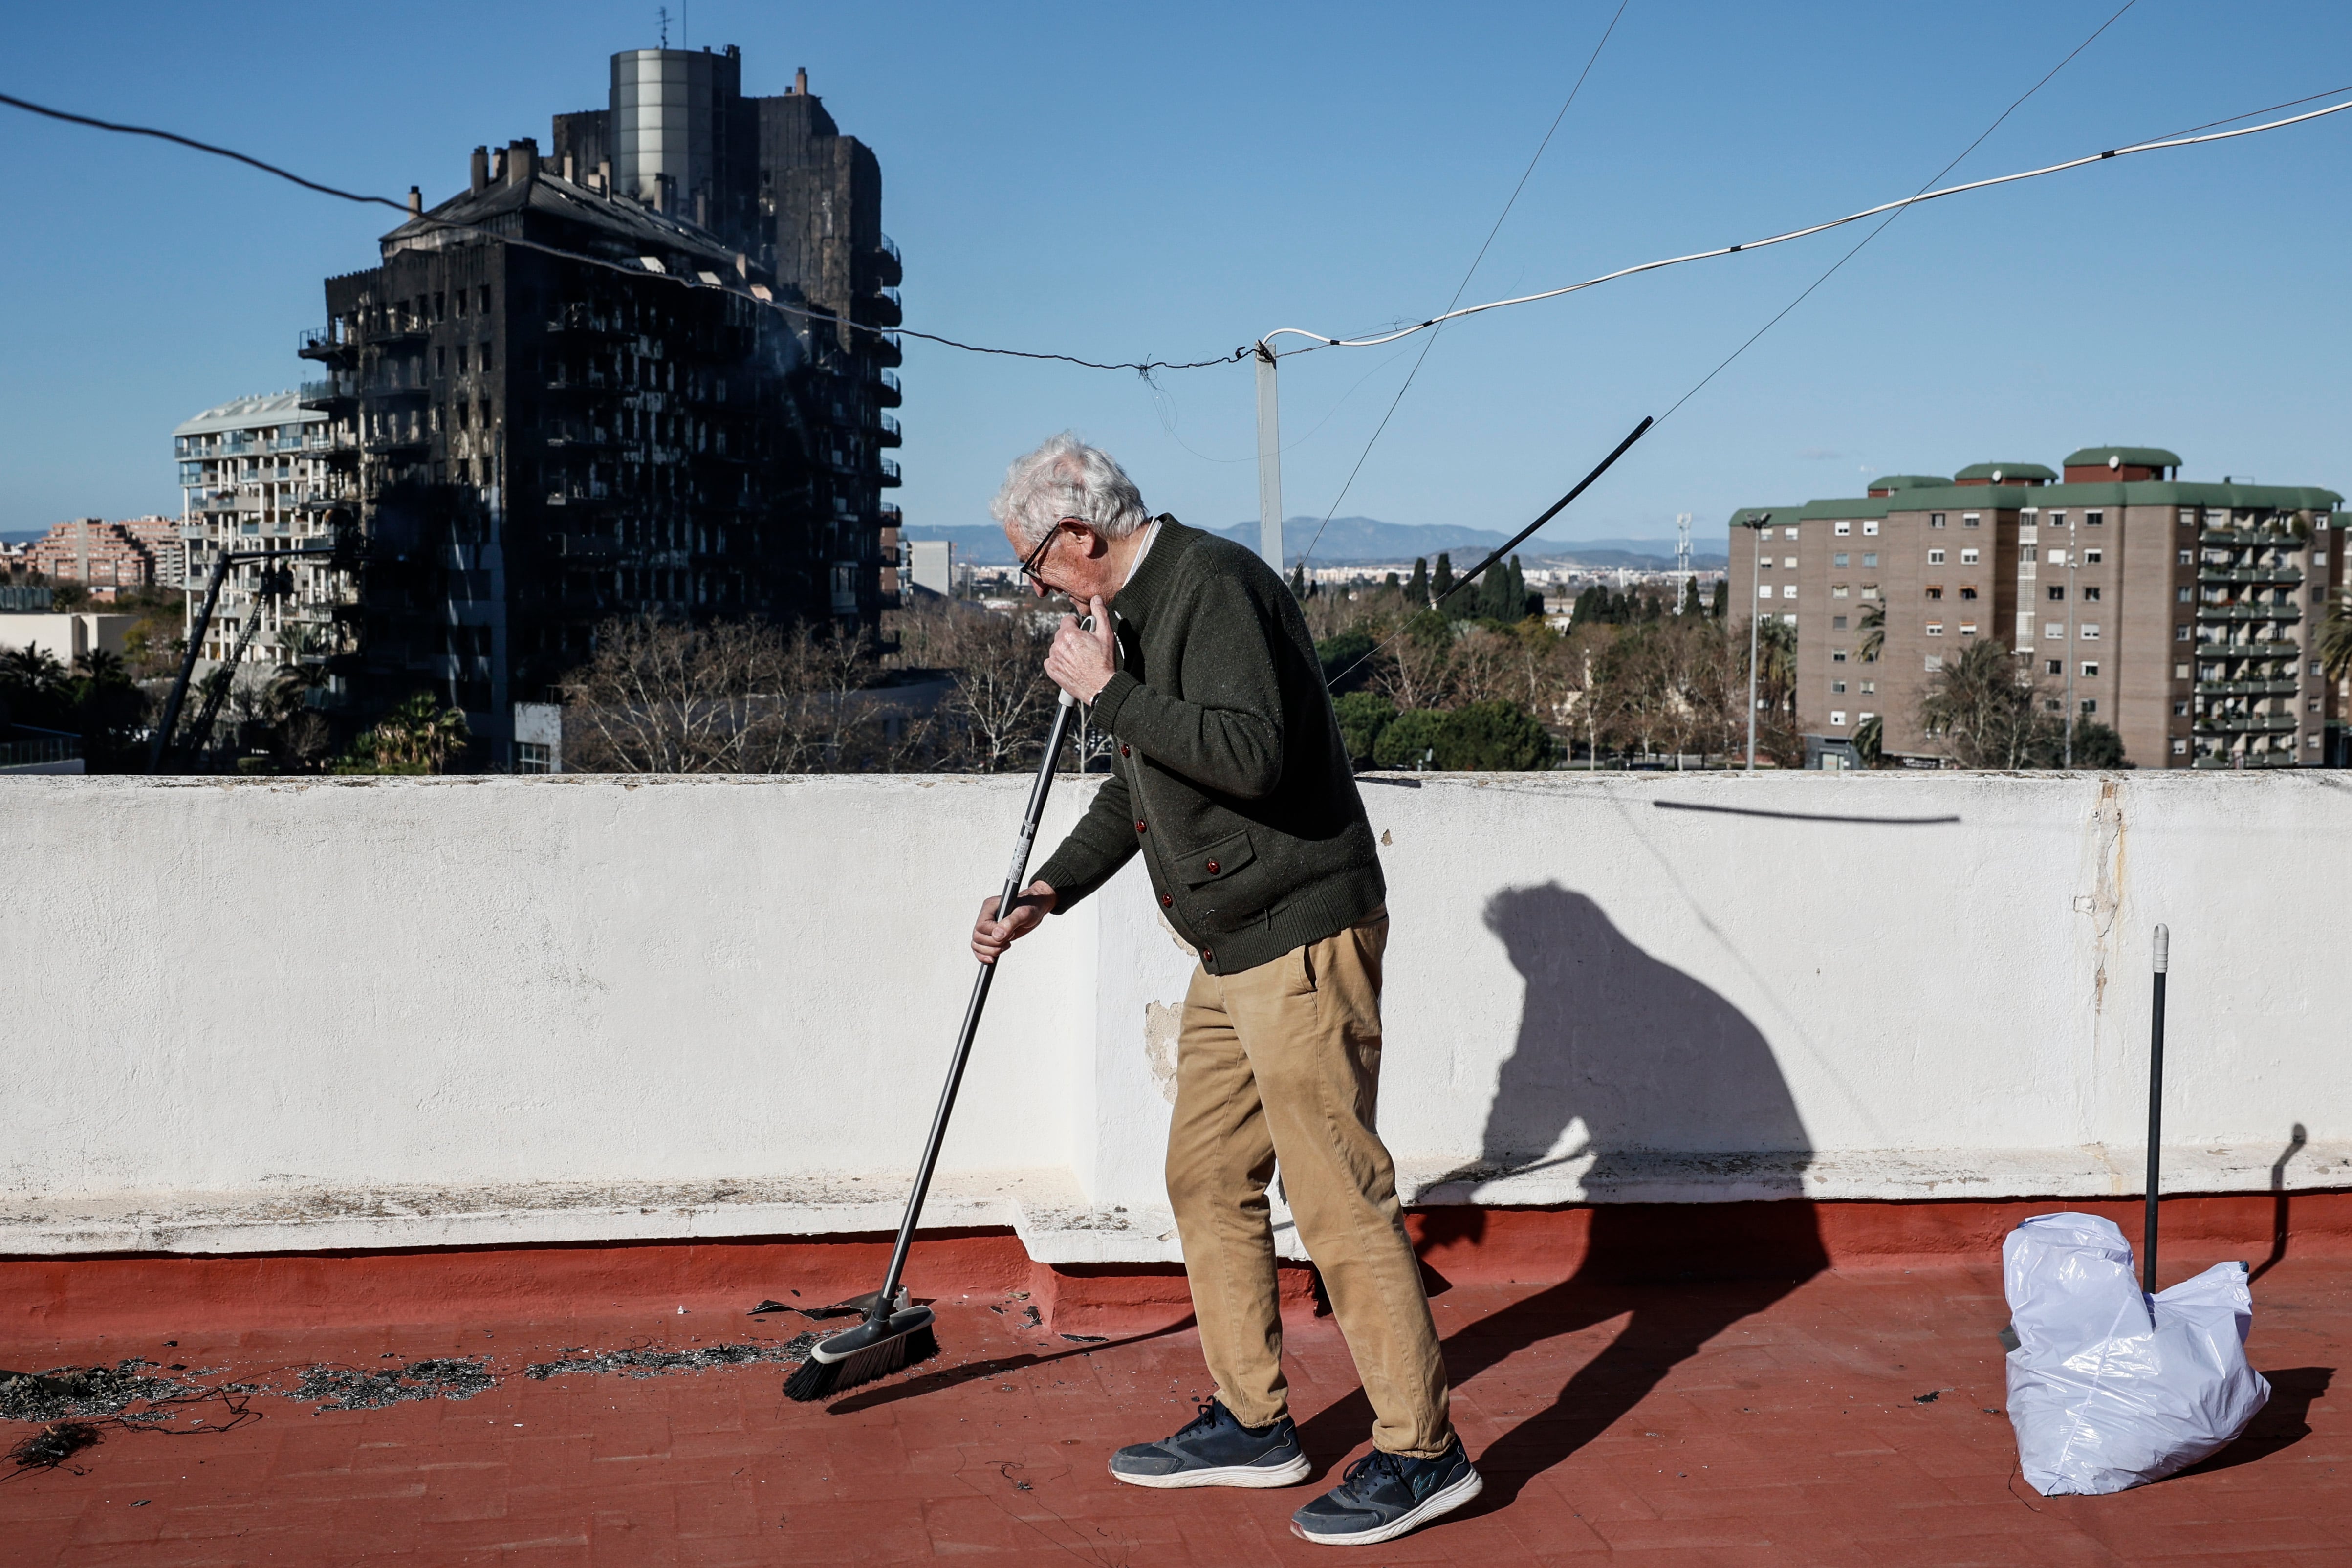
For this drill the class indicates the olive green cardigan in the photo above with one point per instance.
(1231, 776)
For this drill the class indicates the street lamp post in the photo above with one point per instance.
(1755, 526)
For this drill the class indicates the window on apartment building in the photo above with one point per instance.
(482, 299)
(2090, 705)
(2188, 557)
(461, 357)
(2090, 668)
(1837, 589)
(2181, 633)
(2055, 704)
(2054, 519)
(2314, 667)
(1870, 525)
(1935, 628)
(2053, 629)
(2180, 671)
(1869, 591)
(2312, 742)
(1934, 519)
(485, 359)
(440, 363)
(2311, 705)
(2094, 519)
(1933, 663)
(2090, 631)
(1789, 561)
(1787, 590)
(2057, 591)
(1838, 688)
(1763, 590)
(1842, 529)
(2319, 558)
(2180, 707)
(2090, 590)
(1971, 519)
(1968, 591)
(1969, 557)
(1837, 623)
(1934, 590)
(1967, 629)
(2093, 557)
(1837, 717)
(2180, 748)
(1837, 656)
(2054, 557)
(1840, 559)
(1935, 558)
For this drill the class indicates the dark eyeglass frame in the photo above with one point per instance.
(1029, 567)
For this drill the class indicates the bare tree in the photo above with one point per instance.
(997, 712)
(1984, 707)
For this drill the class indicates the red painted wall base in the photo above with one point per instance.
(51, 1298)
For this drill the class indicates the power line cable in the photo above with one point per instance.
(1901, 208)
(1460, 288)
(1141, 367)
(1319, 341)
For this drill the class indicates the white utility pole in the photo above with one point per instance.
(1269, 462)
(2071, 553)
(1681, 544)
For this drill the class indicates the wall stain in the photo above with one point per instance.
(1161, 1022)
(2106, 897)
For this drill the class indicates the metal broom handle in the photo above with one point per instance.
(1015, 877)
(2155, 1109)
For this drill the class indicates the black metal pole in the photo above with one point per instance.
(187, 666)
(2155, 1110)
(1016, 877)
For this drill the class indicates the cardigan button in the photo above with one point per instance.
(1122, 751)
(1207, 957)
(1167, 900)
(1213, 868)
(1139, 826)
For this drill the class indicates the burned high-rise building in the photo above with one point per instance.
(625, 377)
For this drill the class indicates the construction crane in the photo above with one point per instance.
(272, 583)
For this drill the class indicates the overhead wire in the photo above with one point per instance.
(1463, 286)
(1318, 340)
(1141, 367)
(1831, 271)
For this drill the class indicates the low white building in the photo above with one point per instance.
(256, 474)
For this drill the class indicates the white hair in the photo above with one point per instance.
(1066, 478)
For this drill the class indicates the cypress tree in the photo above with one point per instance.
(1416, 590)
(1722, 598)
(1690, 595)
(1517, 596)
(1443, 583)
(1493, 589)
(1298, 581)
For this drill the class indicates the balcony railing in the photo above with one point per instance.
(887, 432)
(2255, 538)
(2265, 575)
(2246, 688)
(2289, 612)
(890, 476)
(2245, 723)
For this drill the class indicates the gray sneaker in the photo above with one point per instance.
(1215, 1450)
(1384, 1495)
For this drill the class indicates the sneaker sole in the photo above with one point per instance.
(1282, 1475)
(1441, 1501)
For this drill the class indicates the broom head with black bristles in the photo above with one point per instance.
(872, 1350)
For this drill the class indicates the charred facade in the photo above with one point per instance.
(554, 403)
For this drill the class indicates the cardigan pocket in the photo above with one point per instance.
(1228, 882)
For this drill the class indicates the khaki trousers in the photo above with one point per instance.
(1283, 1062)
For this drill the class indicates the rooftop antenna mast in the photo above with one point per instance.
(1681, 544)
(663, 12)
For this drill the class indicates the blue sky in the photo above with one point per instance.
(1170, 182)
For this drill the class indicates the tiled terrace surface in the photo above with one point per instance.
(1735, 1423)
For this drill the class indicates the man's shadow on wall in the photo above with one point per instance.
(1649, 1060)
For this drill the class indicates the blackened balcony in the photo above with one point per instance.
(890, 476)
(887, 394)
(887, 432)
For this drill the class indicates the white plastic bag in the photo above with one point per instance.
(2110, 1388)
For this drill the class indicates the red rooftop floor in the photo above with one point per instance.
(1852, 1418)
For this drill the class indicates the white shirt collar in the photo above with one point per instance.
(1133, 566)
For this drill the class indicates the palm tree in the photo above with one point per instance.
(1873, 627)
(2335, 645)
(1870, 740)
(101, 668)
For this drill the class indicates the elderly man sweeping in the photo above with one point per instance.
(1233, 782)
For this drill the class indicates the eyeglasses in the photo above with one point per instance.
(1029, 567)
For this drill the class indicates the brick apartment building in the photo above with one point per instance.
(136, 553)
(2182, 615)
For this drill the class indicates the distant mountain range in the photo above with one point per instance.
(1368, 540)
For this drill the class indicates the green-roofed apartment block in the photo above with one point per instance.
(2182, 613)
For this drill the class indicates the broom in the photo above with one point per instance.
(897, 1333)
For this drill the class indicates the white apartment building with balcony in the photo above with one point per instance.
(254, 475)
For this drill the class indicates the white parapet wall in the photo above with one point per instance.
(271, 1014)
